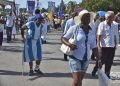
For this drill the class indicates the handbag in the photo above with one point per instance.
(66, 49)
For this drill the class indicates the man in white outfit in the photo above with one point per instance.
(9, 26)
(45, 24)
(107, 40)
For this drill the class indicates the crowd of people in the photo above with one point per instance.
(98, 32)
(11, 24)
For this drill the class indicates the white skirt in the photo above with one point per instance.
(14, 30)
(32, 50)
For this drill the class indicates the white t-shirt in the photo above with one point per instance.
(9, 22)
(81, 37)
(68, 24)
(56, 21)
(94, 25)
(109, 34)
(48, 22)
(44, 30)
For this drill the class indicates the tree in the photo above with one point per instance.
(116, 5)
(70, 6)
(22, 10)
(57, 8)
(95, 5)
(44, 10)
(63, 6)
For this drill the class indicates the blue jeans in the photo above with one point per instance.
(48, 28)
(9, 33)
(78, 65)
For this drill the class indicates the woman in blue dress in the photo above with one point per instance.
(32, 47)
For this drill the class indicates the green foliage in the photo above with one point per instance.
(70, 6)
(43, 10)
(95, 5)
(57, 8)
(64, 9)
(67, 8)
(22, 10)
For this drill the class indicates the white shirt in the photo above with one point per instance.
(44, 30)
(48, 22)
(81, 37)
(37, 30)
(56, 21)
(94, 25)
(109, 34)
(1, 27)
(69, 23)
(9, 22)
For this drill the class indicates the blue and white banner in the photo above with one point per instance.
(31, 6)
(60, 10)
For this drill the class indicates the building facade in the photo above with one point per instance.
(51, 6)
(3, 3)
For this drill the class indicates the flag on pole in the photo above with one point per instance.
(31, 6)
(60, 11)
(14, 8)
(50, 15)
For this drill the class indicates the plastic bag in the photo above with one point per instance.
(103, 79)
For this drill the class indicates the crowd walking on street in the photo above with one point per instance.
(98, 32)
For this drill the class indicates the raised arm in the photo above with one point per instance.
(24, 27)
(99, 38)
(116, 35)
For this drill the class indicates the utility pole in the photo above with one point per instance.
(37, 6)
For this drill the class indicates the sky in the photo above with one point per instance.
(43, 2)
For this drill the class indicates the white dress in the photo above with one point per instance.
(44, 31)
(32, 48)
(1, 27)
(14, 30)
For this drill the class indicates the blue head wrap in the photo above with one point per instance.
(101, 13)
(39, 16)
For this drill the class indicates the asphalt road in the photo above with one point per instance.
(56, 70)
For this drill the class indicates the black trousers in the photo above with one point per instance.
(107, 58)
(1, 38)
(92, 55)
(65, 57)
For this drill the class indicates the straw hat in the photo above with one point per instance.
(77, 19)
